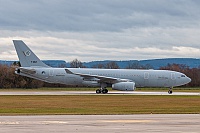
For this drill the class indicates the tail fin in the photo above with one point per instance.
(26, 57)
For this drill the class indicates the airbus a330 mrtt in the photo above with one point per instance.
(118, 79)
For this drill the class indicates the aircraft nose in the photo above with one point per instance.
(189, 79)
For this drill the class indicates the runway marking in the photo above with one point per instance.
(9, 123)
(54, 122)
(128, 121)
(28, 122)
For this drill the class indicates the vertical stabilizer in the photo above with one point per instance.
(26, 57)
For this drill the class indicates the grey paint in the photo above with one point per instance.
(33, 67)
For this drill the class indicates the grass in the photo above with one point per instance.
(98, 104)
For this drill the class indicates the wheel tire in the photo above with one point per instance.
(170, 91)
(98, 91)
(104, 91)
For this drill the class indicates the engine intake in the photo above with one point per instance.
(124, 86)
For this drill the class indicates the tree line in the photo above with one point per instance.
(110, 65)
(8, 78)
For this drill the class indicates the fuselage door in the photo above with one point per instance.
(146, 78)
(173, 79)
(146, 75)
(173, 76)
(51, 72)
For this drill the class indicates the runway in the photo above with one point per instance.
(170, 123)
(93, 93)
(149, 123)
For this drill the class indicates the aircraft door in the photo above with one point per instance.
(146, 78)
(173, 76)
(173, 79)
(146, 75)
(51, 72)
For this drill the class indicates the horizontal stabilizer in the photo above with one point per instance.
(25, 71)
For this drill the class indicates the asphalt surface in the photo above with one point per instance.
(93, 93)
(166, 123)
(150, 123)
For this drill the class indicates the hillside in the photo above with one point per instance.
(155, 63)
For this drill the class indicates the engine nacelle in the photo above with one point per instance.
(124, 86)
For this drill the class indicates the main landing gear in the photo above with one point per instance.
(102, 90)
(170, 90)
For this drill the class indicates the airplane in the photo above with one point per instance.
(118, 79)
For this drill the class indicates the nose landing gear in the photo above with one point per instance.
(170, 90)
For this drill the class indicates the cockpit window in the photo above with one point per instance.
(182, 75)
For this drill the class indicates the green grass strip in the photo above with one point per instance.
(98, 104)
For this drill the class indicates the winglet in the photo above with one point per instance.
(26, 57)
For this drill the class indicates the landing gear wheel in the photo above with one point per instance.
(104, 91)
(98, 91)
(170, 90)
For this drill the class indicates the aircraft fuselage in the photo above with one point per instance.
(142, 78)
(118, 79)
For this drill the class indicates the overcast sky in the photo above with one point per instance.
(101, 29)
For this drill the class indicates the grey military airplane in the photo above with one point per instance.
(118, 79)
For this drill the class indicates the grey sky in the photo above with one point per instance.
(101, 29)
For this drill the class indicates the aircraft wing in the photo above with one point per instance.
(101, 78)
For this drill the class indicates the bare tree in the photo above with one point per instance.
(99, 66)
(76, 64)
(147, 66)
(111, 65)
(8, 79)
(134, 65)
(137, 65)
(62, 66)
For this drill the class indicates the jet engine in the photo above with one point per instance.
(124, 86)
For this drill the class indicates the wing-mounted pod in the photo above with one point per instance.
(124, 86)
